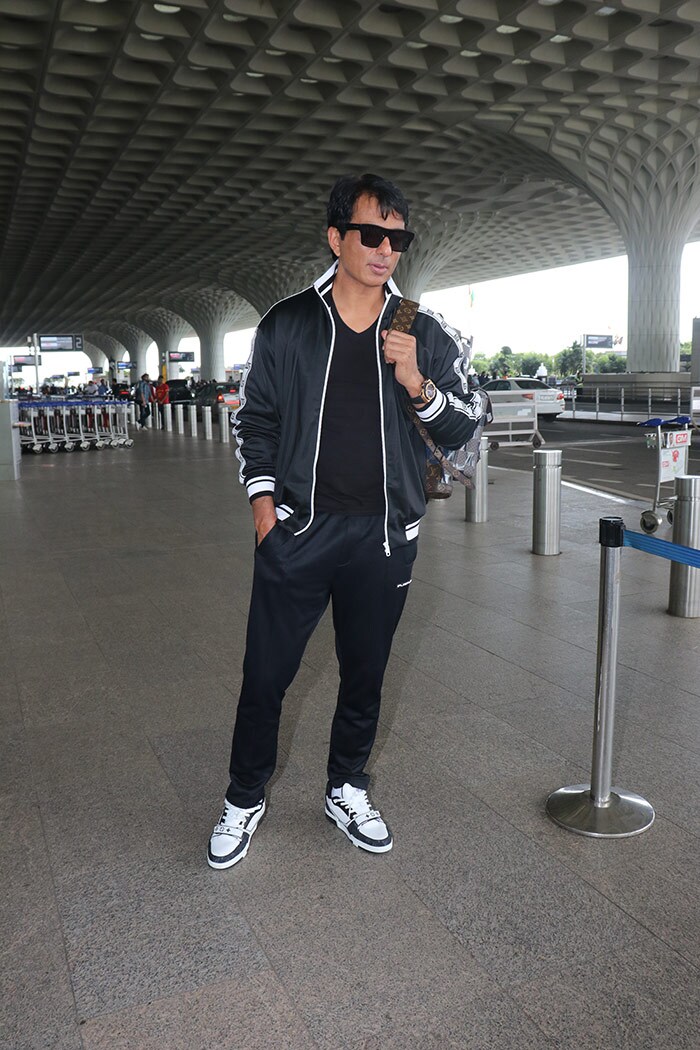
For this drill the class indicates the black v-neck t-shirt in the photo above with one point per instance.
(349, 472)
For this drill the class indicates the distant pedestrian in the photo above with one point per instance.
(144, 396)
(163, 398)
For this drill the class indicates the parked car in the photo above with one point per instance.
(213, 394)
(179, 391)
(550, 402)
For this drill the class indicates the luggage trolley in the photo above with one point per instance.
(89, 424)
(58, 425)
(671, 441)
(119, 416)
(36, 434)
(104, 424)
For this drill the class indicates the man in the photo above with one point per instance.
(333, 467)
(162, 397)
(143, 396)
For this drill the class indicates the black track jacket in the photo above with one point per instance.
(278, 424)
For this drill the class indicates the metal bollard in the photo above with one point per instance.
(546, 505)
(168, 417)
(132, 413)
(684, 583)
(180, 418)
(476, 500)
(192, 411)
(206, 422)
(597, 809)
(224, 430)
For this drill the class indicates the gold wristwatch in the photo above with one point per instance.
(428, 390)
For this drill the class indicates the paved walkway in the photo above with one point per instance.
(124, 579)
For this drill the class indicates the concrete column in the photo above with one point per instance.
(279, 279)
(654, 295)
(439, 232)
(98, 358)
(113, 349)
(136, 342)
(695, 354)
(167, 329)
(653, 195)
(212, 312)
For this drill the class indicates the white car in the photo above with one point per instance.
(549, 400)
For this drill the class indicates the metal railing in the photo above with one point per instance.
(656, 399)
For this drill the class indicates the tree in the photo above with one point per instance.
(529, 363)
(610, 363)
(570, 360)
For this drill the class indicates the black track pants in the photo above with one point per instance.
(341, 559)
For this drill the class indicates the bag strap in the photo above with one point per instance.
(401, 322)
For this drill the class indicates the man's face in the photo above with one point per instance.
(370, 267)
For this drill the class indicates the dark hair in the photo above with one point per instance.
(347, 190)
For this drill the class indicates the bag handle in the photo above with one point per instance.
(401, 322)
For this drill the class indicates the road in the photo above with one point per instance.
(612, 457)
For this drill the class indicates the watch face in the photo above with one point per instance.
(429, 391)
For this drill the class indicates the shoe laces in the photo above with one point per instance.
(360, 803)
(232, 820)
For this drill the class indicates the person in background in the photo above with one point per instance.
(90, 389)
(144, 396)
(102, 387)
(162, 397)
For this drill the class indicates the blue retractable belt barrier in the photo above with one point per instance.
(662, 548)
(656, 421)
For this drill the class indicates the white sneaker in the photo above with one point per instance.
(231, 837)
(350, 808)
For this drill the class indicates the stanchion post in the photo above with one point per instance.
(546, 501)
(598, 809)
(684, 582)
(180, 418)
(206, 422)
(224, 430)
(192, 411)
(168, 417)
(476, 500)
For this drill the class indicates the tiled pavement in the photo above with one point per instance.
(124, 581)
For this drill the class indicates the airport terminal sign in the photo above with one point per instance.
(61, 342)
(180, 355)
(598, 342)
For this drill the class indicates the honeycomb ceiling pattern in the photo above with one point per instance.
(151, 151)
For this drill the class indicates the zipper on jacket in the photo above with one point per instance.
(320, 415)
(387, 548)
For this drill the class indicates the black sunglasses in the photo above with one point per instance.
(372, 236)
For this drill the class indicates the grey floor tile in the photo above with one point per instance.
(633, 998)
(37, 1009)
(149, 930)
(81, 698)
(653, 877)
(15, 766)
(10, 710)
(248, 1011)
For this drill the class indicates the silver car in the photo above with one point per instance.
(549, 400)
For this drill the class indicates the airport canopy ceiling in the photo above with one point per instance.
(152, 152)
